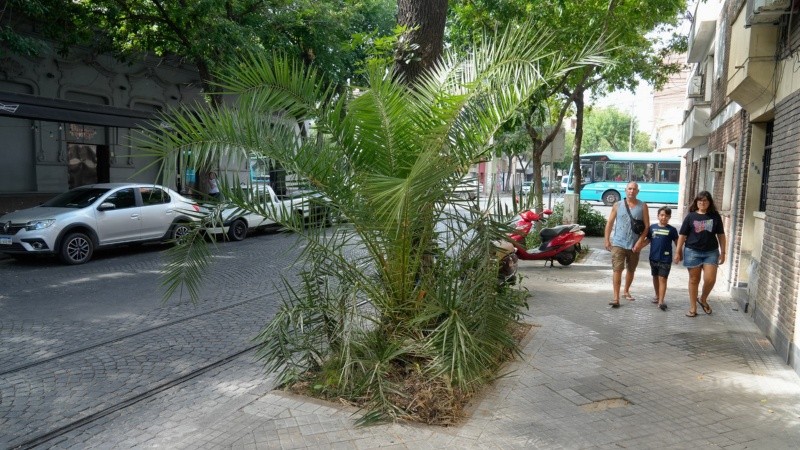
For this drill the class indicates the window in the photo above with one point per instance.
(123, 198)
(762, 202)
(617, 171)
(586, 173)
(643, 171)
(669, 172)
(154, 196)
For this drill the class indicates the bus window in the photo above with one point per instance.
(643, 171)
(669, 172)
(617, 171)
(586, 175)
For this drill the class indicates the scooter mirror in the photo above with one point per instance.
(547, 211)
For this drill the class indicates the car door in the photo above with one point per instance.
(121, 223)
(157, 212)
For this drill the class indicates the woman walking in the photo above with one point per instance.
(701, 246)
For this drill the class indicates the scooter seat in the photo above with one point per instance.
(550, 233)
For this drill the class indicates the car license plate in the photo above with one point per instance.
(5, 240)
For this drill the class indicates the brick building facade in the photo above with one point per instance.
(742, 52)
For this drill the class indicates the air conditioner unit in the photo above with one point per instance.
(696, 84)
(766, 12)
(717, 161)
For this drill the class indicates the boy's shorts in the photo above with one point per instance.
(660, 269)
(622, 258)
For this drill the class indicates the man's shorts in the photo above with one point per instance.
(694, 258)
(660, 269)
(622, 258)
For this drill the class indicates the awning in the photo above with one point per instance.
(24, 106)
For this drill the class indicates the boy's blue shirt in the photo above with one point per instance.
(661, 239)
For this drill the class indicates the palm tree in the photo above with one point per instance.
(408, 285)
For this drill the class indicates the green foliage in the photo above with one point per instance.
(409, 285)
(209, 33)
(609, 130)
(594, 221)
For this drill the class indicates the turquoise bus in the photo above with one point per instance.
(605, 175)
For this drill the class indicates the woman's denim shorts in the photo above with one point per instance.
(694, 258)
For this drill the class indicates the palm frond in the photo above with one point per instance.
(186, 264)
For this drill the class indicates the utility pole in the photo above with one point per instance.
(630, 130)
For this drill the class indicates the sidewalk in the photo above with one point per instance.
(591, 377)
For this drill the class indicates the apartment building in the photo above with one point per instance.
(742, 136)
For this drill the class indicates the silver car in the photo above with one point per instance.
(75, 223)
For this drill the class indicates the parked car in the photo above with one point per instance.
(469, 187)
(266, 210)
(72, 225)
(526, 186)
(564, 183)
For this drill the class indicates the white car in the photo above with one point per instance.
(72, 225)
(266, 210)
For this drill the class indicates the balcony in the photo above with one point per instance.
(696, 126)
(751, 66)
(704, 28)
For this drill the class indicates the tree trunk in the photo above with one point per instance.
(422, 44)
(578, 100)
(539, 145)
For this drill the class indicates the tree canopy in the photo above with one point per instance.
(624, 28)
(610, 130)
(207, 33)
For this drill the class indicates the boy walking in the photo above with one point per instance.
(661, 236)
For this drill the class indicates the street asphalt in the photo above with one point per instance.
(591, 377)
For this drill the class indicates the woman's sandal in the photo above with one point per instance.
(706, 307)
(691, 314)
(614, 304)
(629, 297)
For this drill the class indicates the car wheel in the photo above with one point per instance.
(238, 230)
(610, 197)
(179, 230)
(322, 216)
(76, 248)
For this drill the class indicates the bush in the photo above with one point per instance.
(593, 220)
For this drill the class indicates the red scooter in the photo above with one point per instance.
(560, 243)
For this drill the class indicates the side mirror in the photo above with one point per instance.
(105, 206)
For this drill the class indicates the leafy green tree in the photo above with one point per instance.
(375, 306)
(609, 130)
(623, 27)
(53, 20)
(208, 33)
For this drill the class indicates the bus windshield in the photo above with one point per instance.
(605, 175)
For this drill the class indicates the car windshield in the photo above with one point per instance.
(76, 198)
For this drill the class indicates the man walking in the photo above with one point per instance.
(623, 243)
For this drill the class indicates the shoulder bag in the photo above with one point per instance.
(637, 226)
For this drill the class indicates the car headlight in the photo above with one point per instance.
(39, 224)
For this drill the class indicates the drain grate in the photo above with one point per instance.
(602, 405)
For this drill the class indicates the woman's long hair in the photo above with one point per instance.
(706, 195)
